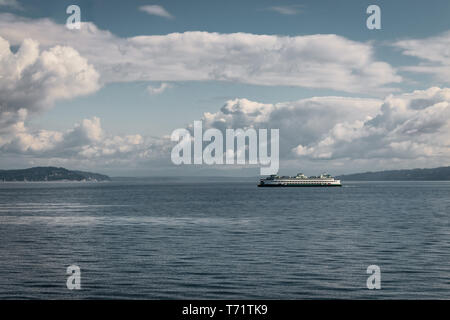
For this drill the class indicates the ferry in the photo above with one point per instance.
(300, 180)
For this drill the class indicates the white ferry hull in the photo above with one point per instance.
(282, 184)
(300, 180)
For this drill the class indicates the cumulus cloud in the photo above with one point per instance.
(341, 133)
(302, 121)
(314, 61)
(58, 63)
(156, 10)
(31, 81)
(19, 140)
(434, 53)
(335, 133)
(86, 142)
(408, 127)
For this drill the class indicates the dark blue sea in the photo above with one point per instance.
(224, 239)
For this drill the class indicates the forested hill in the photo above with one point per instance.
(435, 174)
(50, 174)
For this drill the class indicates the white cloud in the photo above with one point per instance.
(340, 134)
(435, 53)
(158, 90)
(10, 3)
(351, 134)
(30, 82)
(287, 10)
(314, 61)
(300, 122)
(86, 142)
(401, 130)
(156, 10)
(24, 142)
(88, 131)
(33, 80)
(408, 126)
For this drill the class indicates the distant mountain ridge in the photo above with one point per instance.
(50, 174)
(434, 174)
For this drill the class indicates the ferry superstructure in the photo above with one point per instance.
(300, 180)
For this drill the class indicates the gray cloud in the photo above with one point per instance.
(304, 121)
(335, 133)
(408, 127)
(434, 53)
(86, 142)
(314, 61)
(30, 82)
(33, 80)
(402, 130)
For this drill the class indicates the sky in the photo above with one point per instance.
(106, 97)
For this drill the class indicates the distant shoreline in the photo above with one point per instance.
(53, 174)
(50, 174)
(433, 174)
(57, 181)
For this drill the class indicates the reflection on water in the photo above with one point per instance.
(224, 240)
